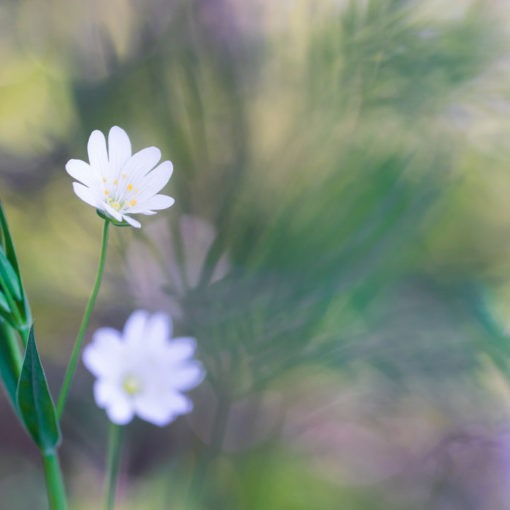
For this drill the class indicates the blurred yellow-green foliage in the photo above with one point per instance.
(339, 244)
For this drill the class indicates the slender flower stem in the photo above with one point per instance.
(54, 482)
(113, 461)
(81, 333)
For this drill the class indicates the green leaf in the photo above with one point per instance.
(4, 306)
(9, 277)
(34, 401)
(8, 245)
(10, 361)
(7, 240)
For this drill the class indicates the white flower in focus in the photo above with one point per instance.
(142, 371)
(118, 183)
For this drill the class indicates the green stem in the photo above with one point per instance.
(81, 333)
(15, 349)
(54, 482)
(113, 461)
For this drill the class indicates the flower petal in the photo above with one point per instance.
(96, 149)
(140, 164)
(86, 194)
(131, 221)
(82, 172)
(155, 181)
(134, 330)
(158, 330)
(187, 377)
(120, 410)
(101, 356)
(119, 148)
(105, 392)
(180, 348)
(156, 202)
(111, 211)
(161, 410)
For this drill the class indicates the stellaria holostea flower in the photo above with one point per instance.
(118, 183)
(142, 370)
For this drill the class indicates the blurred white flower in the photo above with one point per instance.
(142, 371)
(118, 183)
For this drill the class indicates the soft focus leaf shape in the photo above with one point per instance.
(10, 253)
(6, 239)
(4, 306)
(9, 277)
(34, 400)
(9, 368)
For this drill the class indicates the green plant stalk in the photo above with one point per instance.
(81, 333)
(20, 323)
(113, 461)
(15, 349)
(54, 483)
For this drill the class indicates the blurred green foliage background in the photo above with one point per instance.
(339, 244)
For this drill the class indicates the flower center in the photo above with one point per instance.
(117, 205)
(132, 384)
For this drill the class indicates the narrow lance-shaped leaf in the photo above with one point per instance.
(9, 278)
(8, 245)
(10, 361)
(7, 240)
(4, 306)
(34, 401)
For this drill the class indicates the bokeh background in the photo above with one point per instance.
(339, 245)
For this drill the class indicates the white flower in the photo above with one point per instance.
(142, 371)
(118, 183)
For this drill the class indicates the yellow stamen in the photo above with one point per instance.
(104, 179)
(116, 205)
(123, 176)
(115, 181)
(132, 203)
(130, 187)
(106, 192)
(132, 384)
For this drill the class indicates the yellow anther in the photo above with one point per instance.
(130, 187)
(104, 179)
(123, 176)
(132, 203)
(132, 384)
(116, 205)
(106, 192)
(115, 181)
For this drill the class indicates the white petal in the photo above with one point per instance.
(191, 375)
(160, 409)
(112, 212)
(86, 194)
(102, 355)
(120, 410)
(82, 172)
(158, 330)
(96, 148)
(140, 164)
(156, 202)
(179, 349)
(106, 392)
(155, 181)
(134, 330)
(119, 147)
(131, 221)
